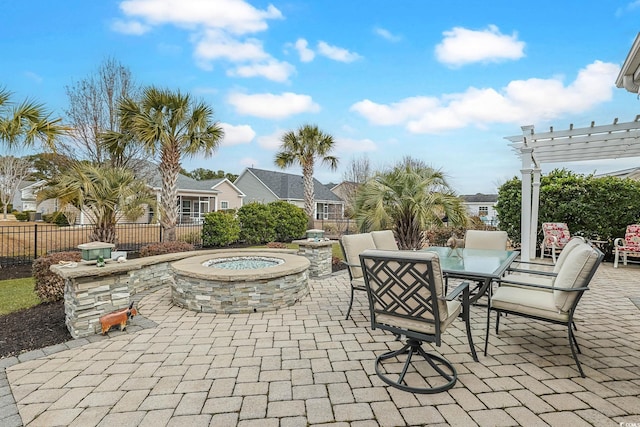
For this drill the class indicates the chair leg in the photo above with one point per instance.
(572, 341)
(486, 335)
(615, 259)
(436, 362)
(350, 303)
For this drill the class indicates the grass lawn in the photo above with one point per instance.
(17, 294)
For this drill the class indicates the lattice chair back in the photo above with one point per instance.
(405, 292)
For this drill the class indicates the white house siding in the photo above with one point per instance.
(228, 194)
(254, 190)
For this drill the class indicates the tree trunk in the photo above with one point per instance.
(169, 169)
(307, 177)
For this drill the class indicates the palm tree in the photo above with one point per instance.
(304, 147)
(26, 123)
(408, 199)
(174, 125)
(103, 192)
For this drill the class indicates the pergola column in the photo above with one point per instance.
(535, 204)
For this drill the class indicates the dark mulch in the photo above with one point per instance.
(39, 326)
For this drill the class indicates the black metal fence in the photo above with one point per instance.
(21, 244)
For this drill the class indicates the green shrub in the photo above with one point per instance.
(256, 223)
(220, 228)
(290, 221)
(594, 207)
(165, 248)
(48, 285)
(22, 216)
(57, 218)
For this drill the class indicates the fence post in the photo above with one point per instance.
(160, 231)
(35, 242)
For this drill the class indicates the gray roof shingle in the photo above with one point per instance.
(291, 187)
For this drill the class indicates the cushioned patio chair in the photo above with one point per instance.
(405, 292)
(555, 235)
(385, 239)
(482, 239)
(352, 246)
(627, 247)
(555, 302)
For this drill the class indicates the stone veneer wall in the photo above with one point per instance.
(212, 296)
(320, 254)
(86, 299)
(91, 291)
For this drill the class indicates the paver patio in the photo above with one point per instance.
(307, 366)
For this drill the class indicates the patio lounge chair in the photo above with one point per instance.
(406, 298)
(629, 246)
(555, 235)
(385, 239)
(555, 302)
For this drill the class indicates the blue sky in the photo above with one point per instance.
(441, 81)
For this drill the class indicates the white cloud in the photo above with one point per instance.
(134, 28)
(336, 53)
(235, 135)
(350, 145)
(461, 46)
(272, 141)
(234, 16)
(34, 76)
(216, 44)
(386, 34)
(521, 101)
(272, 69)
(270, 106)
(306, 54)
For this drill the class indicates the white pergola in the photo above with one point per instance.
(613, 141)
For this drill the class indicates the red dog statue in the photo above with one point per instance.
(118, 317)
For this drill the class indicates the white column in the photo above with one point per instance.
(535, 204)
(525, 219)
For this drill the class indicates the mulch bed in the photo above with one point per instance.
(39, 326)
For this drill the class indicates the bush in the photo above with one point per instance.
(597, 208)
(165, 248)
(192, 237)
(22, 216)
(57, 218)
(220, 228)
(49, 286)
(290, 221)
(257, 224)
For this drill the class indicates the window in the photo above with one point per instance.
(483, 211)
(224, 205)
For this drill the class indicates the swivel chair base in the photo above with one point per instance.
(443, 367)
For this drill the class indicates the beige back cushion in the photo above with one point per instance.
(573, 243)
(384, 239)
(480, 239)
(407, 276)
(354, 245)
(574, 274)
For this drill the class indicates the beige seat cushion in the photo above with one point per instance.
(573, 243)
(480, 239)
(453, 310)
(574, 273)
(384, 239)
(529, 301)
(354, 245)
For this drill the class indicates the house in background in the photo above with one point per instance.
(264, 186)
(631, 173)
(197, 198)
(483, 206)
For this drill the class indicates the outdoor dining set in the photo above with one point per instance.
(417, 294)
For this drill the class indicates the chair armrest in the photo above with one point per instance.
(536, 272)
(618, 242)
(349, 264)
(546, 264)
(551, 288)
(457, 291)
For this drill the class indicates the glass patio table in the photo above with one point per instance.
(480, 265)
